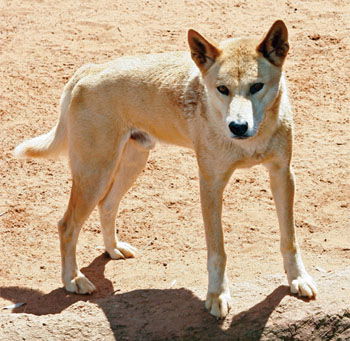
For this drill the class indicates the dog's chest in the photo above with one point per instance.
(253, 156)
(250, 161)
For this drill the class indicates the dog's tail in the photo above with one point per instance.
(55, 142)
(51, 144)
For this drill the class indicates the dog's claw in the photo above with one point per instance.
(304, 286)
(122, 251)
(218, 305)
(80, 285)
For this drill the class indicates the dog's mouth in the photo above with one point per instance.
(243, 137)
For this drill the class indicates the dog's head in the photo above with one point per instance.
(241, 77)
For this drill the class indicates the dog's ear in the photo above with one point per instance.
(203, 53)
(274, 46)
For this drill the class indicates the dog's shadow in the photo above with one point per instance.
(150, 313)
(58, 300)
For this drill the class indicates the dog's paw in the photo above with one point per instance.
(80, 285)
(299, 280)
(303, 285)
(122, 251)
(218, 305)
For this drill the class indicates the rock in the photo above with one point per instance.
(178, 314)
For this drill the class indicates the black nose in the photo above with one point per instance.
(238, 128)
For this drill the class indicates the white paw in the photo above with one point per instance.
(299, 280)
(304, 285)
(80, 285)
(122, 251)
(218, 305)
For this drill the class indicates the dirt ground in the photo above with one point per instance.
(159, 294)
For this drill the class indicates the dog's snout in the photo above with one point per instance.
(238, 128)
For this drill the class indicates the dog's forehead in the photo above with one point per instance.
(239, 57)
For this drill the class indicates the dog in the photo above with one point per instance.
(227, 102)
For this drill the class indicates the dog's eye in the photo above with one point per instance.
(256, 88)
(223, 90)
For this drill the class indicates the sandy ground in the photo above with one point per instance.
(42, 42)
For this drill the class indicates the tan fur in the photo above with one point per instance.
(112, 114)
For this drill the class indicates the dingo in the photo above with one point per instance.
(228, 102)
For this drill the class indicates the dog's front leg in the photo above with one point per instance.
(282, 186)
(218, 300)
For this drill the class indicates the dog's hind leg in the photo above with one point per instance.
(131, 164)
(79, 208)
(92, 173)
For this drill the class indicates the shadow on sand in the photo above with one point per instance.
(150, 314)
